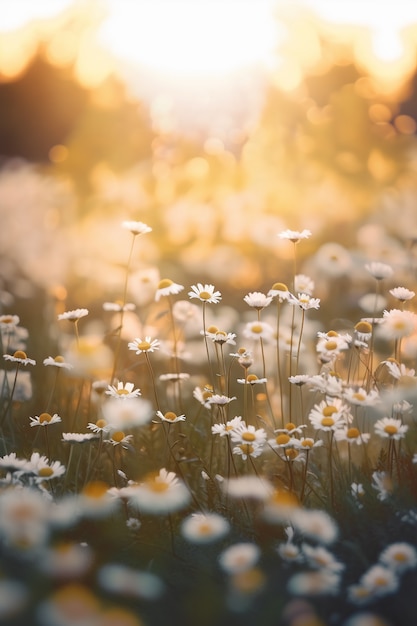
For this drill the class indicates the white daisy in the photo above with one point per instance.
(123, 391)
(45, 419)
(19, 357)
(167, 287)
(379, 270)
(391, 428)
(160, 493)
(118, 307)
(205, 293)
(128, 413)
(74, 315)
(351, 435)
(399, 556)
(304, 301)
(279, 291)
(258, 330)
(294, 235)
(239, 557)
(257, 300)
(57, 361)
(144, 345)
(170, 417)
(204, 527)
(402, 293)
(136, 228)
(303, 284)
(398, 324)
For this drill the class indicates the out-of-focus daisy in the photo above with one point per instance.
(12, 463)
(295, 235)
(45, 419)
(303, 284)
(279, 291)
(136, 228)
(307, 443)
(252, 487)
(382, 483)
(282, 440)
(128, 413)
(204, 527)
(246, 450)
(144, 345)
(8, 323)
(398, 324)
(78, 437)
(380, 580)
(118, 307)
(257, 300)
(66, 560)
(167, 287)
(321, 582)
(315, 524)
(203, 395)
(399, 371)
(299, 379)
(123, 390)
(205, 293)
(174, 377)
(360, 396)
(280, 506)
(332, 260)
(304, 301)
(379, 270)
(170, 417)
(391, 428)
(329, 346)
(402, 294)
(19, 357)
(357, 491)
(57, 361)
(59, 607)
(258, 330)
(94, 501)
(226, 429)
(328, 383)
(239, 557)
(372, 303)
(160, 493)
(399, 556)
(320, 557)
(220, 399)
(351, 435)
(130, 582)
(74, 315)
(24, 518)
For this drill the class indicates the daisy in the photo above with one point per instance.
(123, 390)
(279, 291)
(167, 287)
(136, 228)
(398, 324)
(119, 438)
(382, 483)
(144, 345)
(220, 399)
(204, 527)
(294, 235)
(352, 435)
(321, 558)
(12, 463)
(170, 417)
(304, 301)
(332, 260)
(8, 323)
(307, 443)
(45, 469)
(24, 518)
(203, 395)
(258, 330)
(329, 348)
(283, 440)
(242, 433)
(402, 293)
(398, 370)
(74, 315)
(379, 270)
(239, 557)
(57, 361)
(389, 427)
(129, 582)
(19, 357)
(100, 426)
(322, 582)
(160, 493)
(280, 506)
(226, 429)
(360, 397)
(288, 550)
(205, 293)
(363, 330)
(246, 450)
(174, 377)
(252, 379)
(299, 379)
(257, 300)
(220, 336)
(67, 560)
(45, 419)
(326, 416)
(399, 557)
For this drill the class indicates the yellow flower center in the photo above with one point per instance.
(307, 443)
(246, 448)
(212, 329)
(143, 345)
(400, 557)
(118, 436)
(251, 378)
(19, 354)
(241, 351)
(59, 359)
(353, 433)
(363, 327)
(256, 328)
(157, 486)
(329, 410)
(45, 417)
(95, 489)
(290, 426)
(330, 345)
(390, 429)
(332, 333)
(282, 439)
(101, 423)
(204, 295)
(122, 392)
(279, 287)
(169, 415)
(7, 319)
(284, 498)
(327, 421)
(164, 283)
(45, 472)
(291, 454)
(207, 394)
(247, 436)
(359, 396)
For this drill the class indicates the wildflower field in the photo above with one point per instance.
(208, 389)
